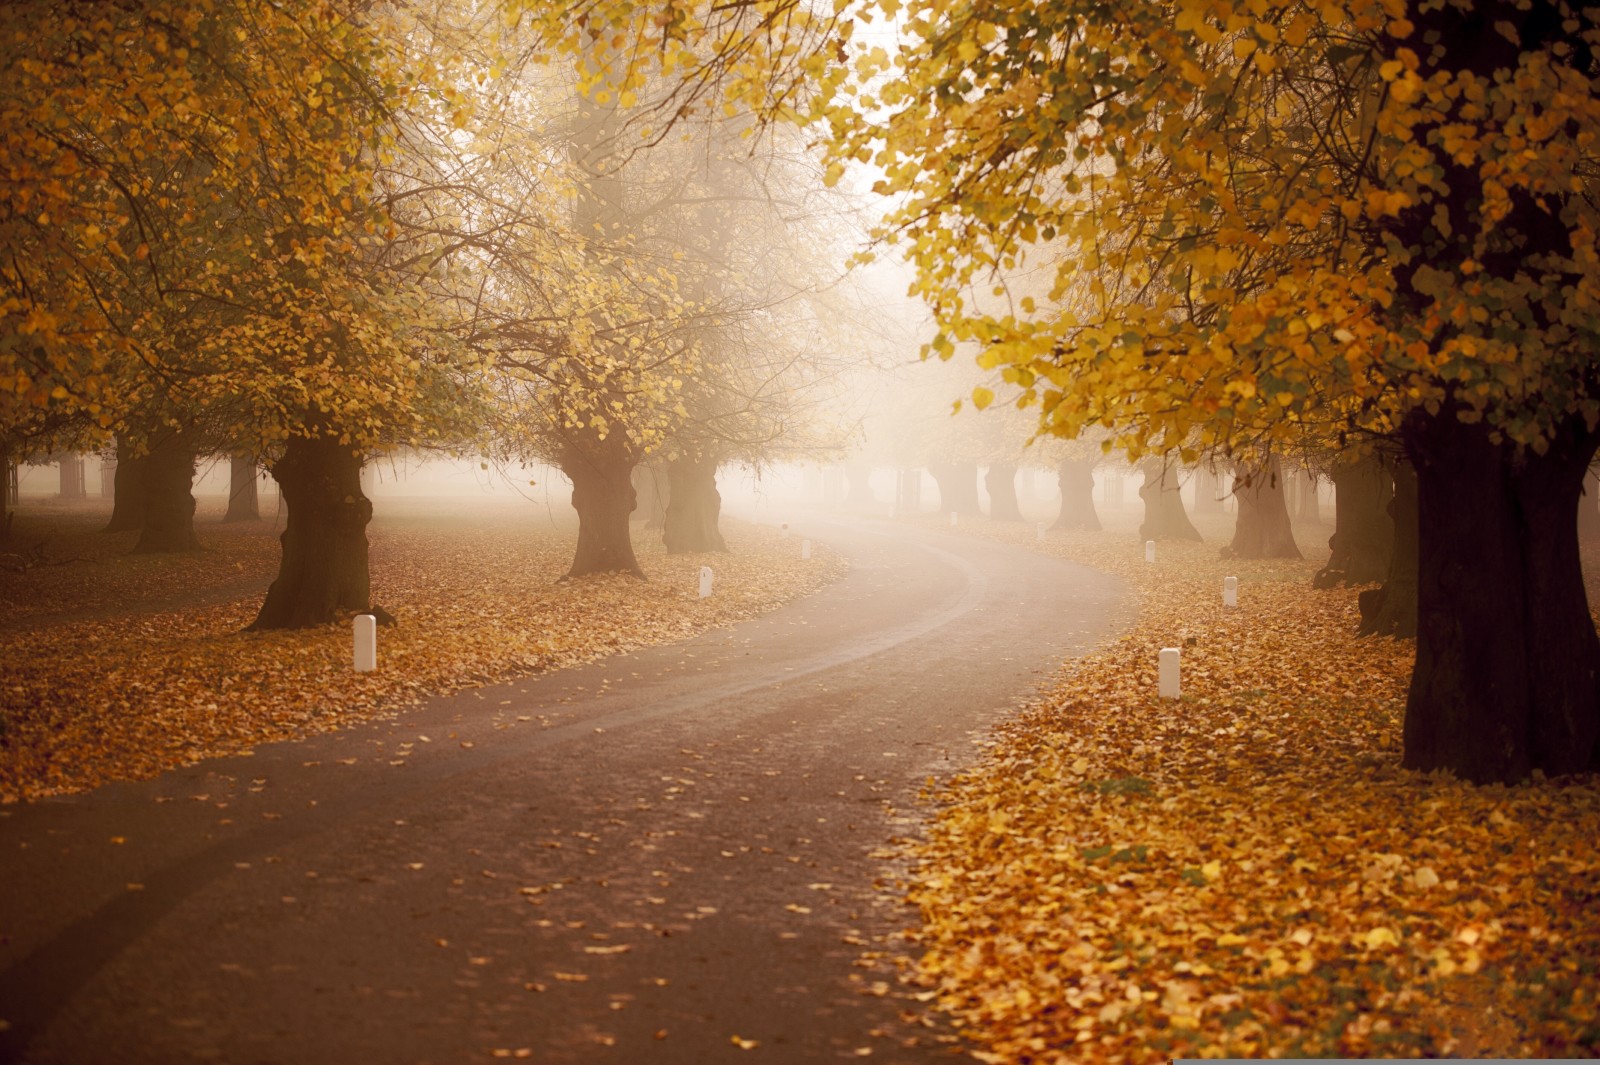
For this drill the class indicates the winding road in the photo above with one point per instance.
(668, 856)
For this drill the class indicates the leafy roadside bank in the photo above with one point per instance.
(1248, 871)
(115, 694)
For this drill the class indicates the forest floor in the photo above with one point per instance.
(1248, 871)
(118, 666)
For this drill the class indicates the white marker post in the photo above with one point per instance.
(1149, 550)
(805, 550)
(1167, 684)
(705, 582)
(953, 519)
(1230, 592)
(366, 633)
(1039, 531)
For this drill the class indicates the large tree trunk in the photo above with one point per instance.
(1076, 480)
(1164, 516)
(166, 477)
(1391, 610)
(71, 467)
(127, 490)
(1261, 529)
(692, 512)
(1507, 678)
(244, 500)
(1363, 530)
(652, 495)
(1000, 481)
(958, 486)
(323, 567)
(603, 496)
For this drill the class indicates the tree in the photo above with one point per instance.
(1268, 222)
(1363, 530)
(1164, 516)
(1262, 528)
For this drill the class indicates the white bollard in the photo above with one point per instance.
(1149, 550)
(366, 632)
(705, 581)
(1039, 531)
(952, 519)
(1167, 683)
(1230, 592)
(805, 550)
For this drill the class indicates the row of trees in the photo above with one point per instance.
(309, 232)
(1188, 225)
(1367, 224)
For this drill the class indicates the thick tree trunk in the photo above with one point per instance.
(244, 500)
(1363, 529)
(1164, 516)
(323, 567)
(652, 495)
(958, 486)
(1000, 481)
(127, 491)
(1076, 480)
(692, 512)
(1507, 678)
(166, 477)
(72, 486)
(603, 496)
(1392, 609)
(1261, 529)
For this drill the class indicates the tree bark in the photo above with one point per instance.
(1000, 481)
(692, 512)
(958, 486)
(166, 477)
(1076, 480)
(1261, 529)
(1391, 610)
(652, 495)
(244, 500)
(323, 567)
(1363, 529)
(1164, 516)
(1507, 678)
(127, 491)
(71, 467)
(603, 496)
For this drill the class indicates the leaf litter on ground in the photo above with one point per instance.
(1247, 871)
(119, 666)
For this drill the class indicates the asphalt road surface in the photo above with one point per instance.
(668, 856)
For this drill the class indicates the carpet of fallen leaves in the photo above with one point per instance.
(1247, 871)
(118, 666)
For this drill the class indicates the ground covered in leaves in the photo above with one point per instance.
(1247, 871)
(118, 666)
